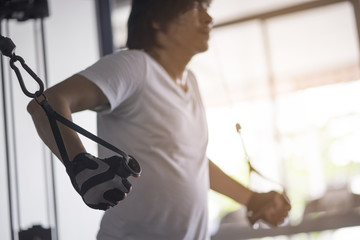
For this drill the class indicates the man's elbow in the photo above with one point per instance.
(31, 107)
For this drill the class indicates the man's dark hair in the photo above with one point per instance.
(141, 33)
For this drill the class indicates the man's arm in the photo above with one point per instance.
(101, 183)
(271, 207)
(222, 183)
(72, 95)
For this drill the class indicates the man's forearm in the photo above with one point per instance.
(222, 183)
(71, 139)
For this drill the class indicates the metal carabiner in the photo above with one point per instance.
(38, 93)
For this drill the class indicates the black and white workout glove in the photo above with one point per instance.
(271, 207)
(102, 183)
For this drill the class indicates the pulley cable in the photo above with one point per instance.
(255, 216)
(6, 135)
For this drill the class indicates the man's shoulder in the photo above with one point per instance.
(124, 52)
(126, 57)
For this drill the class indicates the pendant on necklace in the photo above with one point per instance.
(183, 80)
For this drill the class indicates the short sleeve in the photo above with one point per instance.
(118, 75)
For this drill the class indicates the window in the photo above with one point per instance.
(292, 82)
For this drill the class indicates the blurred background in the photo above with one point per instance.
(287, 70)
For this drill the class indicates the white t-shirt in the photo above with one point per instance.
(165, 129)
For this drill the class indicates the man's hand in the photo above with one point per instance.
(271, 207)
(102, 183)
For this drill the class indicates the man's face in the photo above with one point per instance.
(190, 31)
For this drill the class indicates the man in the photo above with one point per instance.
(149, 105)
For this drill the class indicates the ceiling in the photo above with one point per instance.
(225, 10)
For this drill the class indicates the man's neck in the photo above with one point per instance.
(174, 62)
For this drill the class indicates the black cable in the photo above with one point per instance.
(52, 168)
(13, 132)
(38, 53)
(47, 172)
(7, 150)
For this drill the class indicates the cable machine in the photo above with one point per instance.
(21, 11)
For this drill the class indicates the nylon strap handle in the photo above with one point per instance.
(53, 117)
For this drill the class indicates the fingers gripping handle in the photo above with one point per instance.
(260, 203)
(126, 165)
(131, 167)
(254, 216)
(102, 183)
